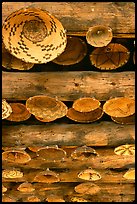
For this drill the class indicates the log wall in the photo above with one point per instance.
(68, 84)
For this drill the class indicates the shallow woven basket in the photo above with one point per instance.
(126, 150)
(19, 112)
(89, 175)
(99, 36)
(84, 152)
(84, 117)
(34, 35)
(16, 156)
(26, 187)
(86, 104)
(8, 173)
(74, 52)
(119, 107)
(110, 57)
(46, 107)
(47, 176)
(51, 153)
(6, 109)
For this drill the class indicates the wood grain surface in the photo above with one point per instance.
(79, 16)
(95, 134)
(68, 86)
(101, 162)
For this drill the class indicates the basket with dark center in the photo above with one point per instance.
(34, 35)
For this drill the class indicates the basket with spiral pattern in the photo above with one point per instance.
(34, 35)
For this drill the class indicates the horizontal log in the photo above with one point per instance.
(105, 197)
(68, 86)
(79, 16)
(102, 161)
(68, 188)
(67, 175)
(95, 198)
(113, 198)
(95, 134)
(64, 189)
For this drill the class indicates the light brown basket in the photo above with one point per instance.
(46, 108)
(119, 107)
(16, 156)
(86, 104)
(34, 35)
(99, 35)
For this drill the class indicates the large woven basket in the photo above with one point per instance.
(34, 35)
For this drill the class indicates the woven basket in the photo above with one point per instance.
(34, 35)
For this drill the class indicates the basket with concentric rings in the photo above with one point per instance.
(33, 35)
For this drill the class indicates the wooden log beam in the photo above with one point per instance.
(68, 188)
(105, 197)
(79, 16)
(67, 175)
(102, 197)
(95, 134)
(64, 189)
(68, 86)
(100, 162)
